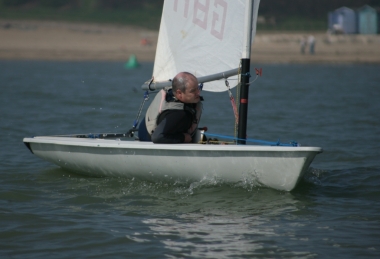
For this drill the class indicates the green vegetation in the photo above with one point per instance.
(295, 23)
(280, 15)
(138, 17)
(114, 12)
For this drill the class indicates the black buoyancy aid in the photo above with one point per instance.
(163, 101)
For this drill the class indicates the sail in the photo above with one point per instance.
(203, 37)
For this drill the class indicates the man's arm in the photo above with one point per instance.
(172, 128)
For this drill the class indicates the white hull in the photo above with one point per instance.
(272, 166)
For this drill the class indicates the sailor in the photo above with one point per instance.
(174, 114)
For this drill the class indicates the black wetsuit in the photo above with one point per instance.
(172, 124)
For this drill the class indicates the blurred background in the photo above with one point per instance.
(274, 14)
(324, 31)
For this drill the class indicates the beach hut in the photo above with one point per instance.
(343, 20)
(367, 20)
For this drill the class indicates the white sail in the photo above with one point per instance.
(202, 37)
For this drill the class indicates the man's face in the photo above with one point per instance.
(191, 94)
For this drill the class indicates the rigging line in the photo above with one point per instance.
(146, 97)
(136, 122)
(259, 72)
(238, 98)
(253, 80)
(233, 103)
(150, 83)
(263, 142)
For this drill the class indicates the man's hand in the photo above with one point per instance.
(188, 138)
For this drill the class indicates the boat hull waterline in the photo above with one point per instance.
(276, 167)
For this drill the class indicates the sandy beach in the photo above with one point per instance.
(44, 40)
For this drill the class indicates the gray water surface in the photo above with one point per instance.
(47, 212)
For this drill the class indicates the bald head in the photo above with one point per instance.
(182, 80)
(185, 87)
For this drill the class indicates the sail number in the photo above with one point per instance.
(216, 10)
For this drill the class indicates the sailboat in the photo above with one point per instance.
(211, 39)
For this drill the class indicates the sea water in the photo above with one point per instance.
(47, 212)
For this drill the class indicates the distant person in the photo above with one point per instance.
(303, 44)
(174, 114)
(311, 42)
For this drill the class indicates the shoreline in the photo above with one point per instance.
(65, 41)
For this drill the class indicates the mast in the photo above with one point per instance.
(245, 73)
